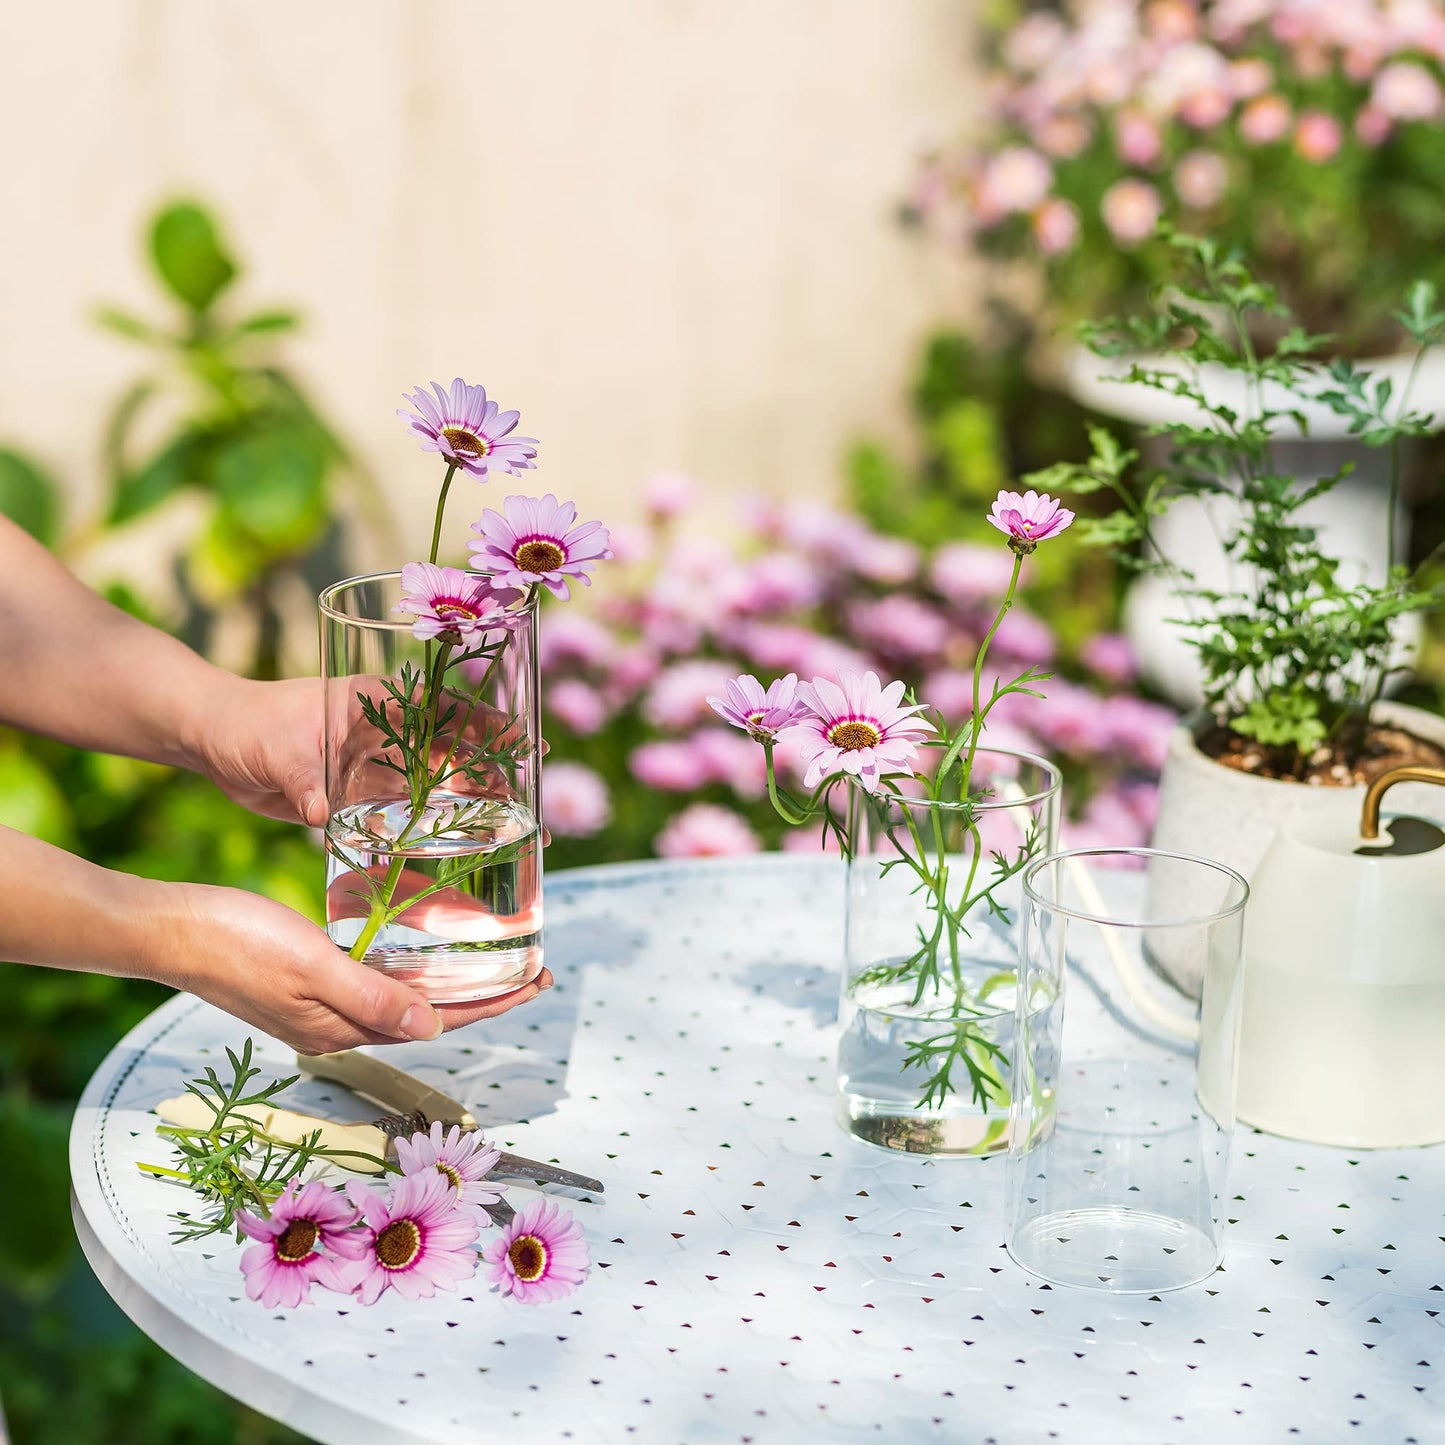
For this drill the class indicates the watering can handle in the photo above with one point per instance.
(1375, 793)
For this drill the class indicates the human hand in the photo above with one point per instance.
(266, 964)
(260, 743)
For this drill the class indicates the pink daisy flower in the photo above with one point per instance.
(535, 539)
(1027, 518)
(468, 430)
(448, 603)
(540, 1256)
(463, 1159)
(856, 726)
(415, 1242)
(286, 1260)
(760, 714)
(704, 830)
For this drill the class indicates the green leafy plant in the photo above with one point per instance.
(1296, 656)
(235, 429)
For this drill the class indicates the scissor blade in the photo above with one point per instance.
(519, 1168)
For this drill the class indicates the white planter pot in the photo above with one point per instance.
(1218, 812)
(1351, 518)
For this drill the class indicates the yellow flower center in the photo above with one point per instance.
(465, 443)
(449, 1174)
(450, 608)
(853, 736)
(398, 1245)
(539, 555)
(528, 1256)
(296, 1241)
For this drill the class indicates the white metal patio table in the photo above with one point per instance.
(760, 1277)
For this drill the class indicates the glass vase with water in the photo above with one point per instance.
(433, 848)
(931, 955)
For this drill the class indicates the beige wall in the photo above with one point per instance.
(662, 228)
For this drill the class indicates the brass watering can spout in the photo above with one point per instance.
(1375, 793)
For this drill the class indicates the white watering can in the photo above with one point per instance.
(1343, 1032)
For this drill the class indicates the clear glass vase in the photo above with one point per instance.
(931, 956)
(433, 850)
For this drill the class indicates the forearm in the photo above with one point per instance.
(60, 911)
(80, 670)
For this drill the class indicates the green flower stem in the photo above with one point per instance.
(436, 531)
(980, 714)
(784, 810)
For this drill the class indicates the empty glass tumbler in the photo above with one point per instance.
(434, 859)
(1123, 1087)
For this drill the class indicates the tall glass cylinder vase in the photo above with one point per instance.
(433, 850)
(931, 955)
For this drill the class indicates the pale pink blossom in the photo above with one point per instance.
(901, 627)
(811, 838)
(1172, 21)
(668, 764)
(1131, 209)
(1265, 120)
(1075, 720)
(1250, 77)
(1137, 137)
(468, 430)
(537, 541)
(1405, 90)
(634, 668)
(965, 572)
(575, 800)
(667, 495)
(579, 705)
(303, 1241)
(630, 543)
(1110, 656)
(858, 727)
(453, 606)
(1200, 179)
(762, 713)
(1056, 226)
(540, 1256)
(416, 1239)
(1206, 108)
(776, 582)
(730, 759)
(1034, 41)
(1140, 728)
(889, 561)
(704, 830)
(1014, 180)
(679, 696)
(1025, 637)
(463, 1158)
(1372, 125)
(1317, 137)
(1064, 136)
(1191, 80)
(951, 693)
(573, 637)
(1028, 518)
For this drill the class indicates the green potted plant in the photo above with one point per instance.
(1296, 650)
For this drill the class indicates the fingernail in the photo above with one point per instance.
(420, 1022)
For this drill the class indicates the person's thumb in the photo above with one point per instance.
(306, 792)
(373, 1001)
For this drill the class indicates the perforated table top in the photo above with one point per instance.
(760, 1276)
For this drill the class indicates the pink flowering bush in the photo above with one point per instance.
(1307, 134)
(808, 590)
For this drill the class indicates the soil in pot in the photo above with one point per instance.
(1331, 766)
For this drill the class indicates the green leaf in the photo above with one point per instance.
(29, 496)
(264, 323)
(124, 324)
(31, 801)
(176, 465)
(272, 483)
(189, 256)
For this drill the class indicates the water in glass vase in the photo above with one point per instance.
(881, 1095)
(453, 898)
